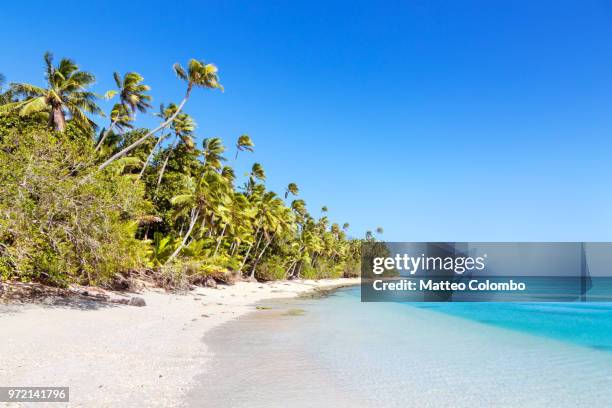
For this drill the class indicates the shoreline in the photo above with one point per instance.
(112, 354)
(391, 354)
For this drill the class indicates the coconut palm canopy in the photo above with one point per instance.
(166, 200)
(66, 95)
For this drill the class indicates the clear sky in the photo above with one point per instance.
(437, 120)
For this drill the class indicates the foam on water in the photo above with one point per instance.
(345, 353)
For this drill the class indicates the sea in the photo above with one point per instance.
(336, 351)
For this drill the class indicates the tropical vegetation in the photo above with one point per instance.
(88, 196)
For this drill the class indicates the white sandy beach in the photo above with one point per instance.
(118, 355)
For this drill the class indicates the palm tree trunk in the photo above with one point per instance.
(150, 133)
(291, 265)
(104, 135)
(161, 172)
(246, 256)
(162, 137)
(299, 269)
(194, 217)
(298, 263)
(57, 119)
(219, 240)
(260, 255)
(258, 241)
(211, 228)
(202, 226)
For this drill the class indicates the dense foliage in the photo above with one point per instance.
(84, 205)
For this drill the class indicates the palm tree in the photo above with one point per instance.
(224, 213)
(191, 203)
(273, 218)
(293, 189)
(132, 97)
(213, 149)
(198, 74)
(65, 96)
(150, 156)
(228, 173)
(183, 127)
(244, 143)
(257, 173)
(242, 215)
(132, 92)
(120, 120)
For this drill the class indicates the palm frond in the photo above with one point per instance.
(28, 90)
(33, 105)
(180, 71)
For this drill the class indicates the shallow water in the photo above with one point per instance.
(344, 353)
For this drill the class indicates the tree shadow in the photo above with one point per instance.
(65, 302)
(17, 295)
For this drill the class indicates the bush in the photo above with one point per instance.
(270, 269)
(352, 269)
(309, 272)
(62, 221)
(323, 270)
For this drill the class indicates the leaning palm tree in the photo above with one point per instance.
(198, 74)
(244, 143)
(120, 121)
(132, 92)
(65, 96)
(291, 188)
(200, 197)
(276, 219)
(132, 97)
(164, 113)
(189, 204)
(183, 127)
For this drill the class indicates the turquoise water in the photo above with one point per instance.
(344, 353)
(585, 324)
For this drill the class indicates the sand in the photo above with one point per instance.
(119, 355)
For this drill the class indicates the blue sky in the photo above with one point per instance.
(437, 120)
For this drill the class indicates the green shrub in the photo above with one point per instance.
(309, 272)
(62, 221)
(270, 269)
(352, 269)
(324, 270)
